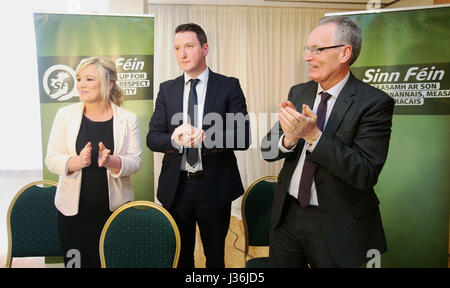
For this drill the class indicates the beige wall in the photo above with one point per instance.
(134, 7)
(137, 6)
(411, 3)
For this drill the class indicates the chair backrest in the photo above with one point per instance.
(32, 222)
(140, 234)
(256, 211)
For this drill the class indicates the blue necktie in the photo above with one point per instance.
(192, 153)
(309, 168)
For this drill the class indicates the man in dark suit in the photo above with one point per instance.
(200, 118)
(325, 212)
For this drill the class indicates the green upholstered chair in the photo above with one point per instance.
(32, 222)
(140, 234)
(256, 211)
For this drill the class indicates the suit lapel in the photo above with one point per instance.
(343, 101)
(211, 92)
(119, 129)
(74, 127)
(178, 94)
(307, 97)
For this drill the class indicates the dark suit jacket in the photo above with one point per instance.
(350, 154)
(223, 95)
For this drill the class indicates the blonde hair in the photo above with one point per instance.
(107, 72)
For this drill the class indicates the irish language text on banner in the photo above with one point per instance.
(63, 40)
(405, 54)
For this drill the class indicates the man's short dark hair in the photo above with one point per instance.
(201, 35)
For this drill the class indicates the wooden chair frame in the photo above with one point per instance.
(8, 215)
(244, 219)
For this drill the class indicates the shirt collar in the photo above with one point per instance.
(336, 89)
(203, 77)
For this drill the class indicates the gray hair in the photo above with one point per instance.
(347, 32)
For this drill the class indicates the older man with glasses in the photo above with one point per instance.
(333, 133)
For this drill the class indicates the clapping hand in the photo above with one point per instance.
(296, 125)
(85, 155)
(103, 155)
(78, 162)
(187, 135)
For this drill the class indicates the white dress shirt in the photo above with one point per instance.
(201, 95)
(295, 180)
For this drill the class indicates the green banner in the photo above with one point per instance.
(62, 40)
(405, 53)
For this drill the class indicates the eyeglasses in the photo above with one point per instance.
(318, 50)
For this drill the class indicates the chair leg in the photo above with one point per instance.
(8, 261)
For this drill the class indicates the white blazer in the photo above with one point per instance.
(62, 146)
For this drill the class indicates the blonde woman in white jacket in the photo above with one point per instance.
(94, 147)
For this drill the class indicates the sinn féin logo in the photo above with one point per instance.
(59, 82)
